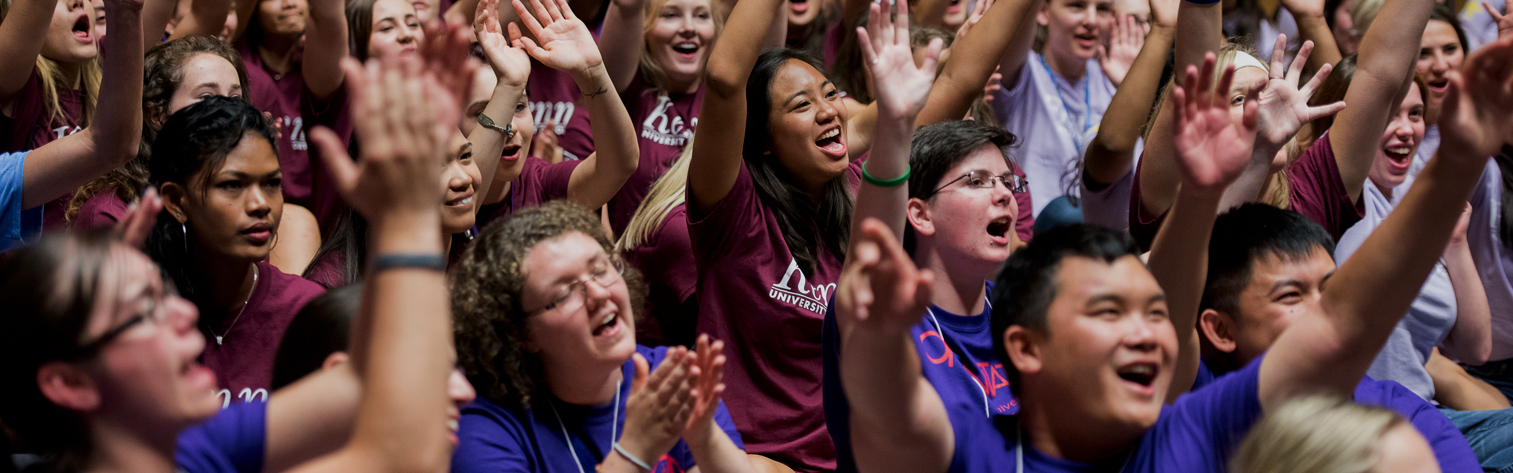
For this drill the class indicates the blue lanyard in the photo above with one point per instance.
(1087, 100)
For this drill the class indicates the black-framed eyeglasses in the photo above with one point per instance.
(570, 298)
(980, 179)
(147, 313)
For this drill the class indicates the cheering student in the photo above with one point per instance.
(107, 379)
(1442, 49)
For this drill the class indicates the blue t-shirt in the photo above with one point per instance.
(16, 224)
(232, 441)
(958, 360)
(1449, 445)
(496, 439)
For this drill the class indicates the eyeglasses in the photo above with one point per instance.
(148, 312)
(570, 297)
(980, 179)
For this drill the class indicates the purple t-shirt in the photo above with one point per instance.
(538, 183)
(497, 439)
(243, 365)
(666, 123)
(31, 125)
(957, 358)
(555, 98)
(1450, 447)
(232, 441)
(666, 260)
(285, 97)
(754, 296)
(101, 210)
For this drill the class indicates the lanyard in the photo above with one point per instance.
(1087, 99)
(613, 428)
(986, 412)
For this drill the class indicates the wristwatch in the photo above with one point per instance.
(508, 129)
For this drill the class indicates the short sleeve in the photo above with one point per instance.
(1108, 205)
(735, 216)
(12, 166)
(232, 441)
(1201, 430)
(489, 442)
(1142, 226)
(1316, 190)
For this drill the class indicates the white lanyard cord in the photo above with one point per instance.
(613, 426)
(986, 412)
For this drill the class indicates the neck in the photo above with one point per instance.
(584, 387)
(229, 282)
(1386, 191)
(959, 288)
(119, 449)
(1066, 433)
(277, 51)
(73, 74)
(1070, 68)
(500, 189)
(684, 86)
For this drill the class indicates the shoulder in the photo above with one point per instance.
(233, 440)
(289, 287)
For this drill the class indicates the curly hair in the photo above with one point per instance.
(491, 328)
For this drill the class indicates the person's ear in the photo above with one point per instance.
(68, 386)
(1043, 17)
(174, 196)
(1219, 329)
(335, 359)
(918, 213)
(1023, 347)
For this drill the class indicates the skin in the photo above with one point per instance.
(512, 163)
(283, 17)
(478, 98)
(1246, 78)
(1440, 52)
(243, 194)
(802, 14)
(953, 222)
(1141, 10)
(1347, 42)
(396, 30)
(1399, 143)
(1074, 28)
(805, 106)
(62, 43)
(681, 22)
(565, 341)
(204, 75)
(1281, 290)
(426, 10)
(461, 179)
(1403, 450)
(99, 6)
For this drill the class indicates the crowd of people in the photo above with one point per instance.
(756, 236)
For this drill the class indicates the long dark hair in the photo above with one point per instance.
(195, 142)
(807, 225)
(347, 244)
(48, 291)
(322, 327)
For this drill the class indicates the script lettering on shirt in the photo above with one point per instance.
(245, 395)
(559, 113)
(795, 290)
(62, 131)
(665, 130)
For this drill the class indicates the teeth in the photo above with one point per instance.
(466, 201)
(1144, 370)
(831, 134)
(452, 424)
(607, 319)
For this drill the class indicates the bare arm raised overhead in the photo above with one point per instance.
(325, 46)
(21, 37)
(962, 79)
(1111, 154)
(722, 118)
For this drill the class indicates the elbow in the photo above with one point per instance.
(722, 80)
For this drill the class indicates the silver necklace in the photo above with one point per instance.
(614, 425)
(238, 318)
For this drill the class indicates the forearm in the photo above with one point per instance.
(311, 417)
(889, 159)
(1199, 31)
(325, 46)
(616, 152)
(463, 12)
(155, 17)
(1248, 187)
(730, 63)
(962, 80)
(1111, 154)
(21, 36)
(1456, 389)
(898, 423)
(1312, 27)
(620, 42)
(1179, 262)
(1470, 339)
(118, 112)
(488, 143)
(716, 453)
(1383, 71)
(206, 18)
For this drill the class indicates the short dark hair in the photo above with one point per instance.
(1246, 234)
(939, 146)
(1026, 285)
(322, 327)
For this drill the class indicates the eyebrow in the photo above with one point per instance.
(802, 92)
(244, 176)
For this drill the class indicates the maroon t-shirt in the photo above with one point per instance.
(328, 270)
(1024, 223)
(666, 260)
(538, 183)
(1315, 189)
(102, 210)
(770, 313)
(666, 122)
(325, 200)
(285, 97)
(31, 125)
(243, 365)
(555, 98)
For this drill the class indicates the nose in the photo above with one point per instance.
(1142, 334)
(257, 203)
(1439, 64)
(181, 315)
(827, 112)
(594, 294)
(459, 390)
(457, 179)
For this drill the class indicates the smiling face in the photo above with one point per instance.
(71, 36)
(460, 178)
(967, 224)
(396, 30)
(807, 123)
(679, 39)
(147, 375)
(1439, 53)
(1281, 289)
(1395, 149)
(1109, 347)
(1075, 27)
(598, 334)
(204, 75)
(233, 212)
(281, 17)
(511, 163)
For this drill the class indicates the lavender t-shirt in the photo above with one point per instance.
(243, 365)
(754, 296)
(550, 435)
(232, 441)
(1494, 259)
(538, 183)
(666, 123)
(666, 260)
(1049, 114)
(957, 358)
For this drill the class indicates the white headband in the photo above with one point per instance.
(1243, 59)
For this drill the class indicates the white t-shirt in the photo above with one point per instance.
(1049, 115)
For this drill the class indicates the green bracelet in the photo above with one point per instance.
(894, 182)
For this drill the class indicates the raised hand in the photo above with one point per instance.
(1474, 120)
(1164, 13)
(1301, 8)
(880, 288)
(510, 63)
(659, 404)
(139, 219)
(565, 42)
(1283, 106)
(1117, 54)
(900, 87)
(1213, 149)
(1504, 21)
(445, 59)
(995, 84)
(709, 374)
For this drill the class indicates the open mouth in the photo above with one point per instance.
(511, 153)
(687, 49)
(1439, 85)
(954, 7)
(463, 201)
(1088, 40)
(81, 29)
(1143, 374)
(607, 324)
(798, 6)
(830, 143)
(1400, 156)
(998, 230)
(198, 374)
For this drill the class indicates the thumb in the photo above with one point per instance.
(338, 162)
(639, 383)
(932, 56)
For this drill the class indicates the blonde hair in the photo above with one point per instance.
(50, 76)
(1323, 434)
(1362, 13)
(1222, 59)
(650, 70)
(668, 192)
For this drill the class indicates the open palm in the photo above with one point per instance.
(511, 64)
(565, 43)
(1213, 149)
(1475, 119)
(1283, 106)
(901, 88)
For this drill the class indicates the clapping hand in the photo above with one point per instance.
(1213, 149)
(659, 405)
(900, 87)
(510, 63)
(1283, 106)
(565, 42)
(709, 374)
(880, 287)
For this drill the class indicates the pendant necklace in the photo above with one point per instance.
(218, 338)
